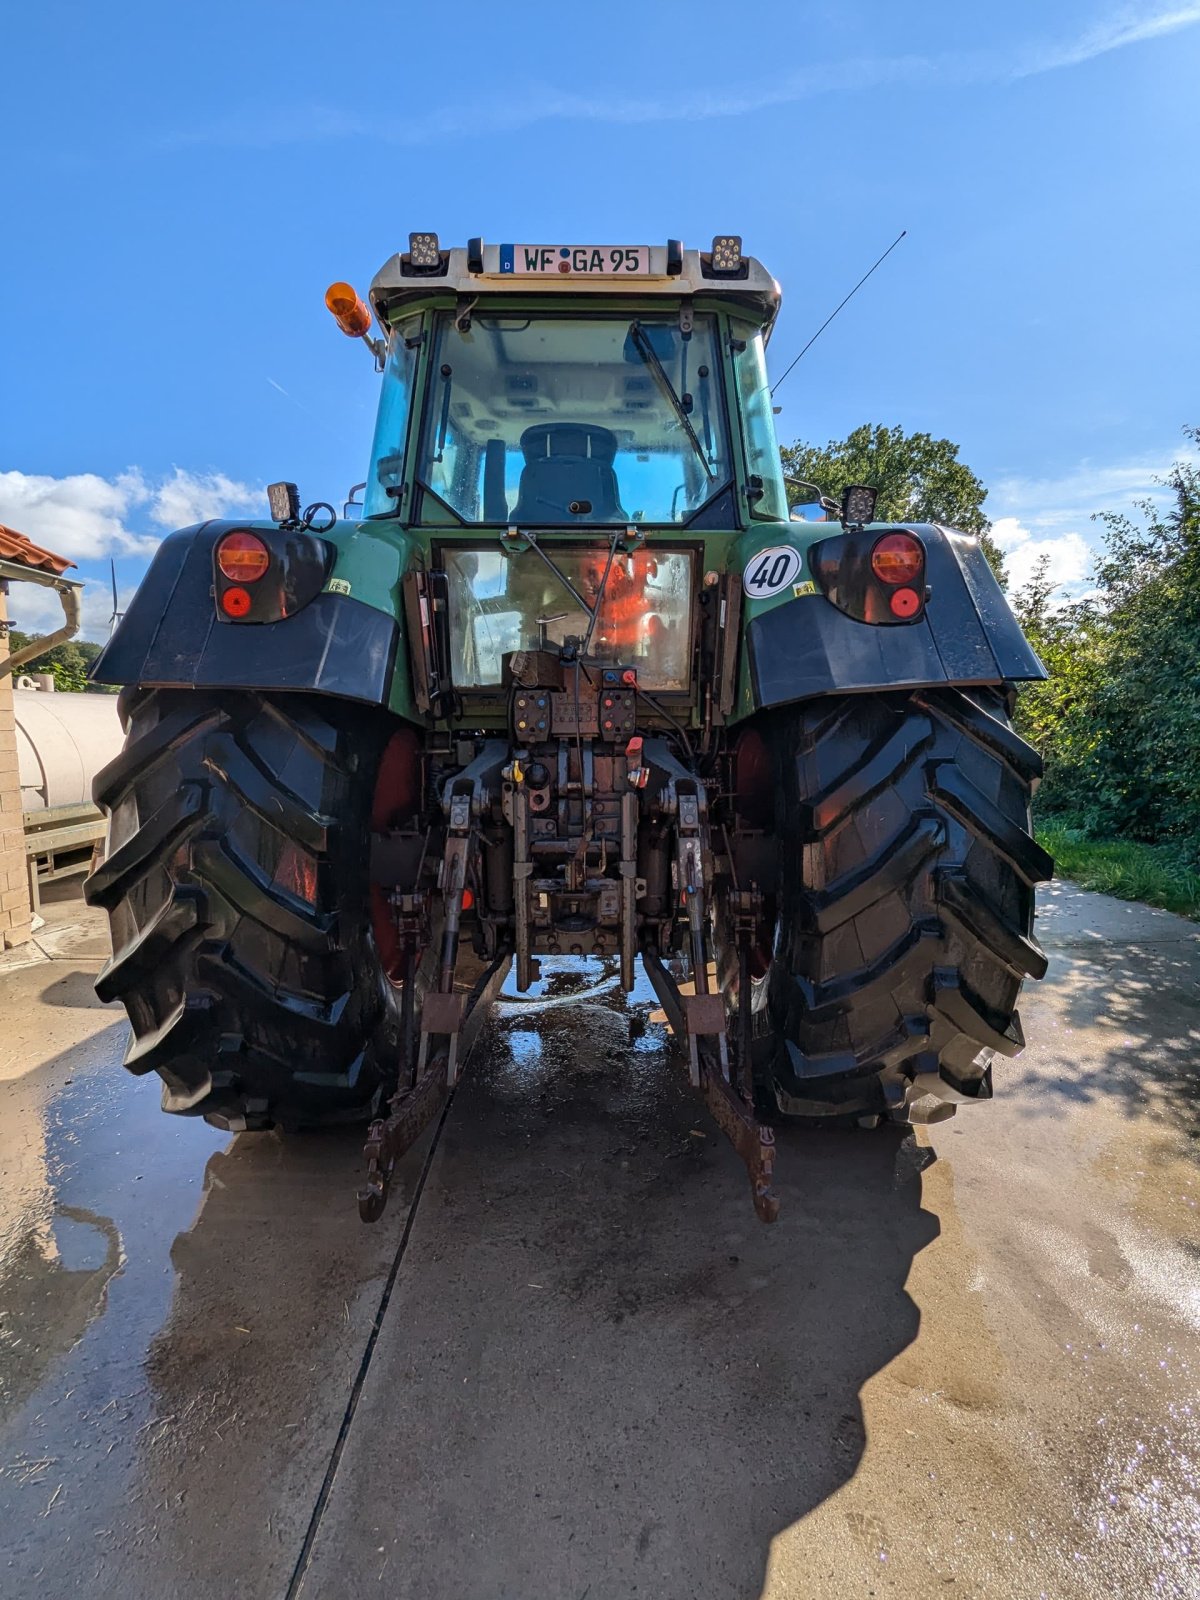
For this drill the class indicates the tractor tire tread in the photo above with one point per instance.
(255, 1006)
(905, 917)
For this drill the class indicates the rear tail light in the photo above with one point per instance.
(242, 558)
(904, 603)
(267, 576)
(898, 558)
(873, 576)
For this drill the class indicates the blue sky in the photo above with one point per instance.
(180, 184)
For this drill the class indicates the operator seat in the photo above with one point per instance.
(568, 463)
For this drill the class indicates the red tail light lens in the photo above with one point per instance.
(243, 557)
(235, 602)
(904, 603)
(897, 558)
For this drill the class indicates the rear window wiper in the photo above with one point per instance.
(650, 359)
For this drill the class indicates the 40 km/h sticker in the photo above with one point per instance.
(771, 571)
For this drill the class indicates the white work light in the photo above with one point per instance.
(284, 501)
(727, 253)
(858, 504)
(423, 250)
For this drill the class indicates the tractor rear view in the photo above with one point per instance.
(572, 684)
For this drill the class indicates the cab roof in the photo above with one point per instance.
(482, 269)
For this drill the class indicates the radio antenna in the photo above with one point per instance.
(837, 308)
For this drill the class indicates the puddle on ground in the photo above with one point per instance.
(96, 1184)
(176, 1307)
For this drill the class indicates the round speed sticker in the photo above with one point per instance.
(770, 571)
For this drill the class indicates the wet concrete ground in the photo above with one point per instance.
(964, 1362)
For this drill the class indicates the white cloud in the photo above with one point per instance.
(84, 516)
(187, 497)
(1073, 497)
(80, 516)
(1133, 25)
(1069, 554)
(1055, 517)
(89, 518)
(539, 103)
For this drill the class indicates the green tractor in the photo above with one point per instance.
(574, 681)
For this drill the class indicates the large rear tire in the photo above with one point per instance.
(905, 900)
(236, 883)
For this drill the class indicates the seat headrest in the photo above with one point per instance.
(578, 440)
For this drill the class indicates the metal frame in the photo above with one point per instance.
(438, 1038)
(60, 830)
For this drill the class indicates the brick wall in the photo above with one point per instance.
(15, 924)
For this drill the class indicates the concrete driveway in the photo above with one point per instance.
(569, 1364)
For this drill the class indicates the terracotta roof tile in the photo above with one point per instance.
(15, 546)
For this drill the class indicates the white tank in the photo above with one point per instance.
(62, 742)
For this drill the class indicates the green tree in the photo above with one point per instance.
(1056, 716)
(919, 478)
(1118, 722)
(1147, 705)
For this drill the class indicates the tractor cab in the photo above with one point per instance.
(571, 387)
(552, 418)
(608, 403)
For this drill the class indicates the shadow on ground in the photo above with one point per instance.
(601, 1375)
(277, 1285)
(75, 989)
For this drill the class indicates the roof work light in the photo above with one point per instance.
(727, 253)
(424, 253)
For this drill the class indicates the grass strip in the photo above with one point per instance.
(1156, 874)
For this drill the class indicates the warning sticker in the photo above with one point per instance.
(338, 586)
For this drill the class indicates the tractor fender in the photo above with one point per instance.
(171, 635)
(803, 647)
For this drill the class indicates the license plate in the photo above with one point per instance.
(575, 260)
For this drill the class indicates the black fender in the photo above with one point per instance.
(967, 634)
(172, 637)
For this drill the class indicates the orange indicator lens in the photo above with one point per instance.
(897, 558)
(243, 557)
(348, 311)
(235, 602)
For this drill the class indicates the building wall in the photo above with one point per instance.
(15, 916)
